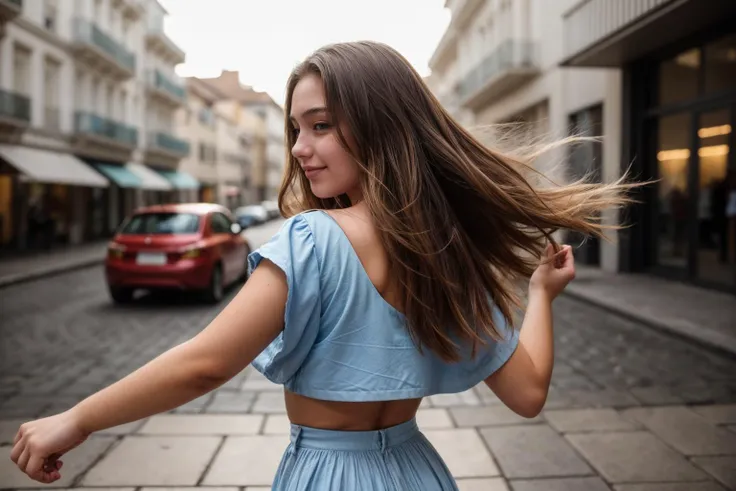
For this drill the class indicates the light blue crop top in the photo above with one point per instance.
(341, 340)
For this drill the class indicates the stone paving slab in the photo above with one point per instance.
(582, 420)
(564, 484)
(533, 451)
(269, 402)
(463, 452)
(215, 424)
(489, 416)
(467, 398)
(154, 461)
(720, 414)
(722, 468)
(8, 430)
(686, 431)
(210, 488)
(76, 462)
(670, 486)
(634, 457)
(493, 484)
(434, 419)
(247, 461)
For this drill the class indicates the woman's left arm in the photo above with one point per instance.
(224, 348)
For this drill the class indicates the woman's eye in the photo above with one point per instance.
(295, 132)
(321, 126)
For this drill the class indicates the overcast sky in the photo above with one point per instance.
(264, 39)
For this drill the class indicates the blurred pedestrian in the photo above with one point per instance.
(393, 280)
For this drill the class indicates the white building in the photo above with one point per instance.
(87, 95)
(655, 78)
(267, 172)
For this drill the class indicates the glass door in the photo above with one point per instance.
(714, 259)
(674, 192)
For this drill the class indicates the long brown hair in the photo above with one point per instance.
(459, 221)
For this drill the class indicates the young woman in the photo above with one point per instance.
(393, 280)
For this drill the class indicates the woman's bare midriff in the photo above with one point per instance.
(348, 416)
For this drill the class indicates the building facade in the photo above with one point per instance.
(87, 94)
(267, 172)
(592, 68)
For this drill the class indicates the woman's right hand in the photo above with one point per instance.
(554, 273)
(39, 444)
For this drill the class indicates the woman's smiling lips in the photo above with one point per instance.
(312, 171)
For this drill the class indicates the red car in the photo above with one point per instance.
(182, 246)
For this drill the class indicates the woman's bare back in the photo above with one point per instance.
(357, 416)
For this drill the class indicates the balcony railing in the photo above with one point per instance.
(88, 33)
(162, 82)
(157, 37)
(165, 141)
(85, 122)
(510, 55)
(15, 106)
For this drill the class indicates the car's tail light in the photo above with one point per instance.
(115, 250)
(191, 253)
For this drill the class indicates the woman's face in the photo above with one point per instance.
(328, 166)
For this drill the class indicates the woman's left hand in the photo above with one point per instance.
(39, 444)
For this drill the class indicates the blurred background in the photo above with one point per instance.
(116, 113)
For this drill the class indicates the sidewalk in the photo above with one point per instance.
(706, 316)
(15, 270)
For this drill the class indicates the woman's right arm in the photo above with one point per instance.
(522, 383)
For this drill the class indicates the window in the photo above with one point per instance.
(22, 70)
(220, 224)
(51, 70)
(50, 13)
(678, 77)
(720, 65)
(162, 223)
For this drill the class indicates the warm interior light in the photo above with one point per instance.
(677, 154)
(713, 151)
(712, 131)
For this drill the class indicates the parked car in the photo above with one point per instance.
(272, 209)
(256, 214)
(195, 246)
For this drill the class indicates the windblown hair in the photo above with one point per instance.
(460, 222)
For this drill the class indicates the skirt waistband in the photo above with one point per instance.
(305, 437)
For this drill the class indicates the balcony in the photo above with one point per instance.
(105, 131)
(164, 149)
(605, 33)
(158, 42)
(98, 50)
(512, 64)
(10, 9)
(166, 90)
(15, 110)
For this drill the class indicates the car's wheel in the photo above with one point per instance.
(121, 295)
(216, 289)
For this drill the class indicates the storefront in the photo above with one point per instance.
(45, 196)
(684, 104)
(678, 129)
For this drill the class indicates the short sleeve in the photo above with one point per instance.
(292, 250)
(495, 353)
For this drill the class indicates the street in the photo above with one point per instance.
(616, 412)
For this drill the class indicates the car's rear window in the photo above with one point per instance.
(162, 223)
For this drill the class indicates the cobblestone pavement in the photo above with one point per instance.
(630, 409)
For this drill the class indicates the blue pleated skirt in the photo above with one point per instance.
(399, 458)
